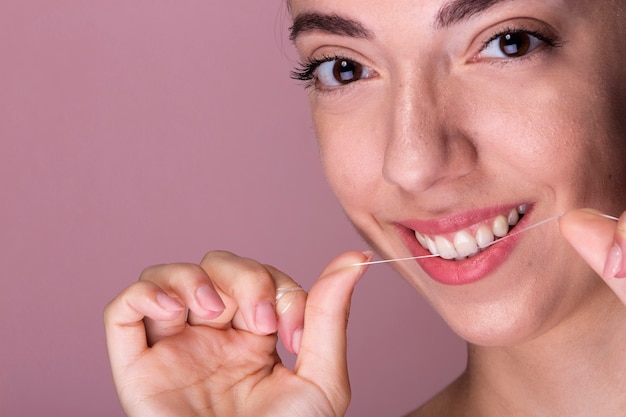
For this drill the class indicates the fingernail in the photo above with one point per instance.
(265, 318)
(296, 340)
(369, 255)
(613, 263)
(621, 224)
(168, 303)
(209, 299)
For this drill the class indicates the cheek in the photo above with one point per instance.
(351, 153)
(555, 132)
(523, 129)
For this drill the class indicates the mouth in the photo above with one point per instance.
(471, 240)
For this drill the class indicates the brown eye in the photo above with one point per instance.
(345, 71)
(340, 71)
(515, 44)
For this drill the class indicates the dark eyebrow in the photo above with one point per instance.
(329, 23)
(449, 14)
(459, 10)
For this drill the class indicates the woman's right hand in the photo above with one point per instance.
(200, 340)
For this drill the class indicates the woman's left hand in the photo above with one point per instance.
(601, 242)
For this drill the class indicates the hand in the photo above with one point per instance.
(602, 244)
(220, 359)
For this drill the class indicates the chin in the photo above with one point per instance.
(523, 314)
(495, 330)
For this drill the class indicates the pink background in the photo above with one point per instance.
(141, 132)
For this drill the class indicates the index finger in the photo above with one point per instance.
(596, 239)
(246, 284)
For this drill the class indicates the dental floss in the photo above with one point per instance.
(606, 216)
(280, 293)
(526, 229)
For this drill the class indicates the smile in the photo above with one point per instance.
(471, 240)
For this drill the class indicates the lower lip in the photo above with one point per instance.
(467, 271)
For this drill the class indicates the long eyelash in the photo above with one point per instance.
(554, 43)
(305, 71)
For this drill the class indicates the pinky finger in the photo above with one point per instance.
(123, 320)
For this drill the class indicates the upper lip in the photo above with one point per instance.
(457, 221)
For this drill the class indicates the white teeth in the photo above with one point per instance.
(484, 236)
(500, 226)
(431, 246)
(465, 244)
(446, 248)
(421, 239)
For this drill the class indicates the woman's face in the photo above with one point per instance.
(445, 117)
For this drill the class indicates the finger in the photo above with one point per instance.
(597, 239)
(246, 285)
(322, 354)
(191, 285)
(123, 320)
(615, 266)
(290, 302)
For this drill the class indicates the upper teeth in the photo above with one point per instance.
(465, 243)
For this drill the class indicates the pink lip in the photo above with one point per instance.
(451, 272)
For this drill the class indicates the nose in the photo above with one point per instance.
(426, 145)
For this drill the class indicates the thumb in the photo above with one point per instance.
(322, 353)
(595, 238)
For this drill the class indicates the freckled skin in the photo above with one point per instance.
(440, 129)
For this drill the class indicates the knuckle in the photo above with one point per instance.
(234, 268)
(123, 300)
(253, 273)
(217, 255)
(111, 308)
(150, 271)
(107, 312)
(174, 272)
(280, 277)
(185, 271)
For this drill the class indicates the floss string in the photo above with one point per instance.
(517, 232)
